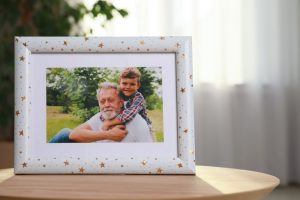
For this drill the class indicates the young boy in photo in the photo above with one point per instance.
(134, 102)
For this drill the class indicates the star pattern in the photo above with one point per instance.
(142, 42)
(159, 170)
(65, 43)
(17, 113)
(25, 44)
(186, 130)
(21, 58)
(24, 164)
(179, 165)
(21, 133)
(66, 163)
(182, 90)
(102, 165)
(144, 162)
(23, 98)
(101, 45)
(177, 45)
(81, 170)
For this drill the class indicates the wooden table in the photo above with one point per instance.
(209, 183)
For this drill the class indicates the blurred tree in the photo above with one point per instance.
(37, 18)
(149, 83)
(75, 89)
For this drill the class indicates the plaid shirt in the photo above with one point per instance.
(134, 105)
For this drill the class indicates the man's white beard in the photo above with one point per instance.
(109, 114)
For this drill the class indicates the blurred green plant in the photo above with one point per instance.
(38, 18)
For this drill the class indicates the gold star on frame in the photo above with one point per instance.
(81, 170)
(144, 162)
(65, 43)
(25, 44)
(186, 130)
(182, 90)
(22, 58)
(102, 165)
(21, 133)
(159, 170)
(24, 164)
(17, 113)
(179, 165)
(66, 163)
(142, 42)
(101, 45)
(162, 38)
(23, 98)
(17, 40)
(177, 45)
(86, 38)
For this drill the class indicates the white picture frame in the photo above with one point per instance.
(175, 155)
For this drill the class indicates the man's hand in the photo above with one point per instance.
(117, 133)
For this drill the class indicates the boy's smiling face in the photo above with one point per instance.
(129, 86)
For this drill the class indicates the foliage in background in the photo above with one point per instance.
(149, 83)
(37, 18)
(75, 89)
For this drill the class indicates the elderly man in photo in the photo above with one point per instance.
(110, 104)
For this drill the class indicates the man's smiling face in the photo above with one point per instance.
(109, 102)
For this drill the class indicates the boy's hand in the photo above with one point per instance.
(117, 133)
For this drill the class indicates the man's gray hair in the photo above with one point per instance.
(107, 85)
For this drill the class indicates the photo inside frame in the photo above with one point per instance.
(73, 99)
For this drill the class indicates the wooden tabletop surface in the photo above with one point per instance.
(209, 183)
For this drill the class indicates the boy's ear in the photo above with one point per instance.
(139, 84)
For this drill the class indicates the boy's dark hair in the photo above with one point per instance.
(131, 72)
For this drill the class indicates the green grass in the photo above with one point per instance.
(156, 116)
(56, 120)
